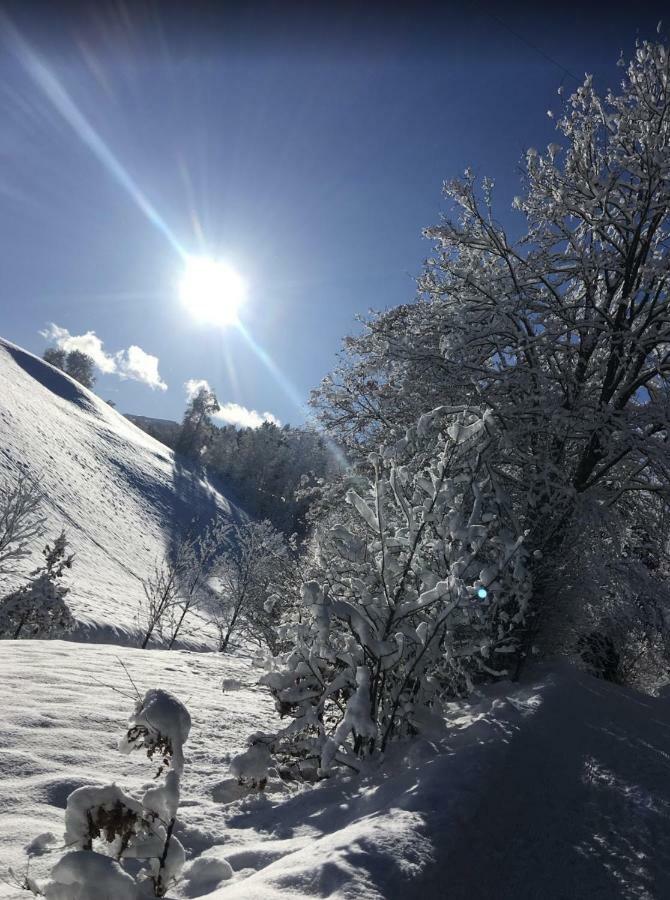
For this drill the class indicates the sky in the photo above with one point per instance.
(306, 145)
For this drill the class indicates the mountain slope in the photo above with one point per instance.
(122, 497)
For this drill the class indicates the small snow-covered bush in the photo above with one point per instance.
(38, 609)
(105, 813)
(251, 767)
(206, 873)
(84, 875)
(160, 724)
(106, 826)
(418, 591)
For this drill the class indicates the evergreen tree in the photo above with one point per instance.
(55, 357)
(79, 366)
(197, 424)
(75, 363)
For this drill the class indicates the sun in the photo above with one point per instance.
(212, 291)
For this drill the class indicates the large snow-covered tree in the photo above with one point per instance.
(563, 334)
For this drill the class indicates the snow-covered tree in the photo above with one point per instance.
(253, 573)
(76, 363)
(272, 469)
(563, 334)
(175, 585)
(416, 594)
(21, 520)
(197, 424)
(38, 609)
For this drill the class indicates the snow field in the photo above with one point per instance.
(555, 788)
(62, 721)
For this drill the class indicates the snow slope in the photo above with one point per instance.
(120, 495)
(555, 788)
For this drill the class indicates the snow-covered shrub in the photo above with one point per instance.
(84, 875)
(614, 584)
(159, 725)
(38, 609)
(417, 594)
(251, 767)
(105, 826)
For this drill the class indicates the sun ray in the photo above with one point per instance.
(43, 77)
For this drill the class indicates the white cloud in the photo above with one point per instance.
(133, 363)
(193, 385)
(231, 413)
(234, 414)
(88, 343)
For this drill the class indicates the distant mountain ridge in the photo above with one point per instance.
(122, 497)
(164, 430)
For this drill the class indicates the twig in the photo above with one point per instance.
(123, 666)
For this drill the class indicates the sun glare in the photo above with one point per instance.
(212, 291)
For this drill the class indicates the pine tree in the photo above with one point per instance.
(79, 366)
(55, 357)
(197, 424)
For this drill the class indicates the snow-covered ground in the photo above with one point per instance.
(120, 495)
(555, 788)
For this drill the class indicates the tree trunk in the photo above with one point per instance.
(20, 628)
(550, 537)
(177, 629)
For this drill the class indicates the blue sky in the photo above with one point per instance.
(307, 148)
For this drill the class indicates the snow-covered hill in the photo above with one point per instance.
(556, 788)
(120, 495)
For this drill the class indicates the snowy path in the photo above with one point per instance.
(579, 806)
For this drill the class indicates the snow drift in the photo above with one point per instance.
(122, 497)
